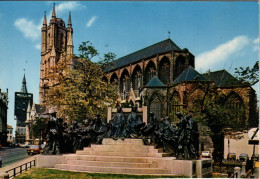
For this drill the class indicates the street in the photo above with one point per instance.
(10, 155)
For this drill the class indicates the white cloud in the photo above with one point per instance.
(256, 44)
(28, 28)
(91, 21)
(64, 7)
(38, 46)
(221, 53)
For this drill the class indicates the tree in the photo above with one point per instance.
(39, 128)
(220, 117)
(248, 75)
(79, 91)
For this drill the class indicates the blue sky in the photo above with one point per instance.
(221, 35)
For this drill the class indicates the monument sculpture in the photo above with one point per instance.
(148, 131)
(180, 140)
(116, 125)
(133, 125)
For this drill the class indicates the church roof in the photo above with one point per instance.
(190, 74)
(222, 78)
(155, 82)
(160, 47)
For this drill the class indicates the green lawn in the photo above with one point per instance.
(38, 173)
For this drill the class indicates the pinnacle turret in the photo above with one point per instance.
(44, 19)
(53, 11)
(69, 21)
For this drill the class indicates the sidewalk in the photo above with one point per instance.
(16, 164)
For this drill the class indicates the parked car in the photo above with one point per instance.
(243, 157)
(24, 145)
(231, 156)
(206, 154)
(34, 149)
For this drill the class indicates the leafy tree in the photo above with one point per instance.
(39, 128)
(79, 91)
(248, 75)
(220, 117)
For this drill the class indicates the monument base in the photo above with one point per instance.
(130, 156)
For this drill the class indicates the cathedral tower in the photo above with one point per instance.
(57, 43)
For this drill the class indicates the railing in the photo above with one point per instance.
(20, 169)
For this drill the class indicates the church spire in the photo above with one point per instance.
(24, 87)
(69, 21)
(53, 11)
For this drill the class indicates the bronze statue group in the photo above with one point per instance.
(181, 141)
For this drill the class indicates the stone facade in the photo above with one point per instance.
(56, 46)
(177, 85)
(3, 117)
(10, 138)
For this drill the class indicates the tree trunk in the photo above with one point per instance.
(218, 144)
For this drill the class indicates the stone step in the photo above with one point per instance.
(124, 153)
(109, 141)
(120, 149)
(121, 170)
(121, 146)
(107, 158)
(112, 164)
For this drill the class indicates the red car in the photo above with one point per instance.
(34, 149)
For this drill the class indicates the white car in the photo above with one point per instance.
(205, 154)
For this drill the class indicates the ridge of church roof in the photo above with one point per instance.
(222, 78)
(190, 74)
(159, 47)
(155, 82)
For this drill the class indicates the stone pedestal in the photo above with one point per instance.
(129, 156)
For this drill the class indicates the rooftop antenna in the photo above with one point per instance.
(169, 33)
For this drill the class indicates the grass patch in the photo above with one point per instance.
(52, 173)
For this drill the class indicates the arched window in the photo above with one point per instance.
(45, 68)
(164, 70)
(114, 78)
(61, 40)
(175, 106)
(179, 66)
(48, 40)
(105, 79)
(150, 72)
(124, 84)
(234, 104)
(156, 106)
(48, 68)
(137, 78)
